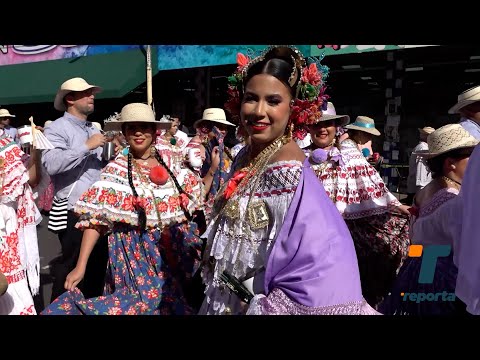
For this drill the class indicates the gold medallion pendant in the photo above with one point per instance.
(232, 209)
(257, 214)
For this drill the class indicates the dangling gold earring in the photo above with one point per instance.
(289, 131)
(153, 150)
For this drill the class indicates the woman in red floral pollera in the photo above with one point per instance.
(153, 243)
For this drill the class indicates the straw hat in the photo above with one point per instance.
(426, 130)
(6, 113)
(215, 115)
(365, 124)
(75, 84)
(136, 112)
(331, 114)
(466, 98)
(447, 138)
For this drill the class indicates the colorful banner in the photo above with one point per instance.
(169, 56)
(188, 56)
(172, 56)
(317, 50)
(20, 54)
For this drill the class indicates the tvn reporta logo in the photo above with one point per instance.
(427, 272)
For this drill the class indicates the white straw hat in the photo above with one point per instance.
(331, 114)
(365, 124)
(135, 112)
(466, 98)
(6, 113)
(215, 115)
(447, 138)
(75, 84)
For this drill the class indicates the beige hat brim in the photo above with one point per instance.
(117, 125)
(455, 108)
(424, 132)
(58, 102)
(340, 120)
(8, 115)
(197, 123)
(372, 131)
(429, 155)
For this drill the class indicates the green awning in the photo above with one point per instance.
(117, 73)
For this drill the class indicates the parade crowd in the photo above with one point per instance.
(294, 218)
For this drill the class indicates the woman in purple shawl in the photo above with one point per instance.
(276, 243)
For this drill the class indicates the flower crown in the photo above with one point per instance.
(310, 98)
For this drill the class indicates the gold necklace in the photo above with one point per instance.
(256, 214)
(145, 161)
(451, 181)
(256, 211)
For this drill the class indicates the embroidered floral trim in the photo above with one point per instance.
(20, 275)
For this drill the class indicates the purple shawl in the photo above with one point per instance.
(313, 260)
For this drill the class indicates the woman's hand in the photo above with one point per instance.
(403, 209)
(215, 159)
(74, 277)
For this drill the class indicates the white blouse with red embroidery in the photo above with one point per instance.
(111, 199)
(356, 188)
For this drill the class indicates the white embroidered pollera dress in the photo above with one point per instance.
(146, 269)
(379, 232)
(19, 217)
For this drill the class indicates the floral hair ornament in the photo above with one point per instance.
(307, 75)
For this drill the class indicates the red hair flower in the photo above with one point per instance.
(311, 75)
(242, 61)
